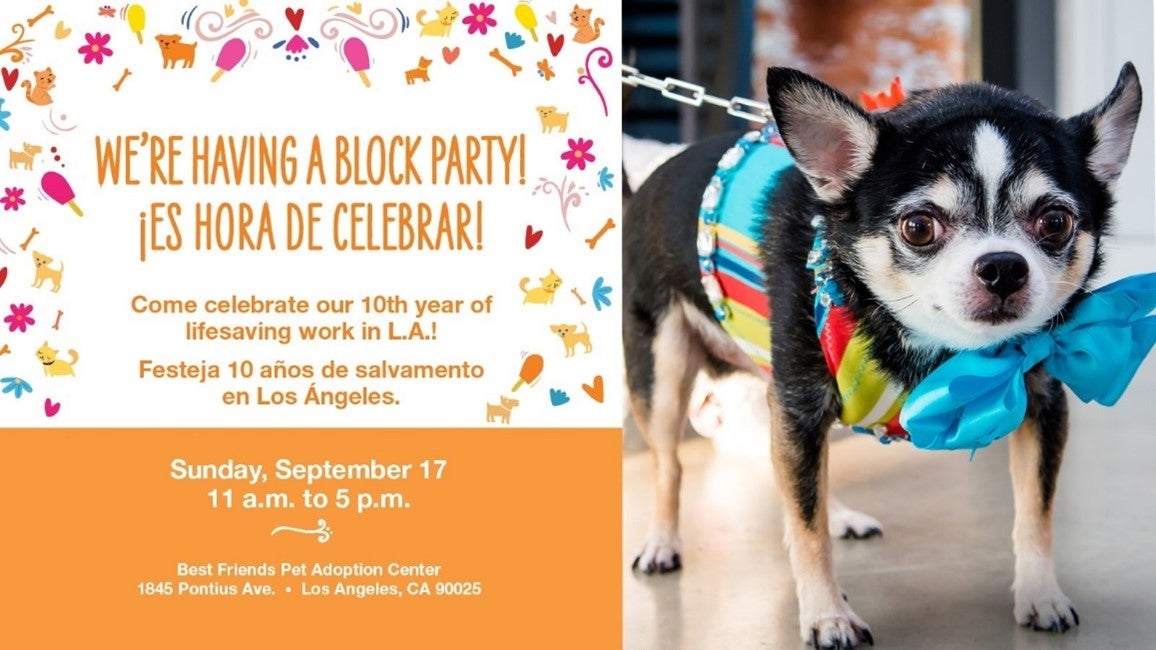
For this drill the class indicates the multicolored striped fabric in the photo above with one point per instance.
(730, 219)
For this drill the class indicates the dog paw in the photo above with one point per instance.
(660, 554)
(1048, 611)
(845, 523)
(1039, 602)
(837, 628)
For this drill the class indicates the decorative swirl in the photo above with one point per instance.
(376, 26)
(604, 61)
(323, 531)
(568, 196)
(210, 26)
(11, 48)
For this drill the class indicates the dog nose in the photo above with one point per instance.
(1002, 273)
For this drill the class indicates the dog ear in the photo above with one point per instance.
(831, 138)
(1108, 128)
(159, 37)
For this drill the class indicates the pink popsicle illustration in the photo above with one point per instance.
(358, 57)
(231, 54)
(58, 189)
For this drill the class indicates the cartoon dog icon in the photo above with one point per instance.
(571, 337)
(174, 51)
(552, 119)
(23, 158)
(44, 272)
(502, 410)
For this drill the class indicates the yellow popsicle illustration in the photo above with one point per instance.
(526, 16)
(135, 15)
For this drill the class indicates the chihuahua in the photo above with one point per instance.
(963, 217)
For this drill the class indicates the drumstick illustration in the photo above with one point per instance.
(531, 369)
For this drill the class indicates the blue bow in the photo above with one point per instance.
(978, 396)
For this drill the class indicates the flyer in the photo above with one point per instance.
(311, 324)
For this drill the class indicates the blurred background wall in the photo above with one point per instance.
(1066, 53)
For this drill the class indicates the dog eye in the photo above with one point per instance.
(920, 229)
(1055, 226)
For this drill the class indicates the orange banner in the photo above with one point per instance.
(311, 538)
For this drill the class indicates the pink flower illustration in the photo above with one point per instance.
(13, 198)
(479, 19)
(579, 153)
(96, 48)
(20, 318)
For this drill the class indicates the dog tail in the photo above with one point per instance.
(585, 330)
(420, 13)
(74, 355)
(522, 285)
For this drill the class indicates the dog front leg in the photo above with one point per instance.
(799, 453)
(674, 357)
(1036, 450)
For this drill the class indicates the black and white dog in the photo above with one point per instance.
(963, 217)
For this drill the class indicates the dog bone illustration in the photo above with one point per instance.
(28, 241)
(5, 350)
(32, 21)
(514, 67)
(574, 290)
(56, 325)
(116, 86)
(593, 241)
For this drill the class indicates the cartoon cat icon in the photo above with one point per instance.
(543, 294)
(447, 16)
(38, 94)
(53, 366)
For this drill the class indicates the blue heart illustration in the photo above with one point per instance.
(514, 41)
(558, 397)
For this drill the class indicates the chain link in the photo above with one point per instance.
(696, 95)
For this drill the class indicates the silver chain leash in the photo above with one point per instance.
(696, 95)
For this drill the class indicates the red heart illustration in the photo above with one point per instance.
(10, 77)
(555, 43)
(451, 55)
(51, 408)
(532, 237)
(595, 390)
(295, 16)
(3, 275)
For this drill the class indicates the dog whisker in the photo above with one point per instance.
(912, 300)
